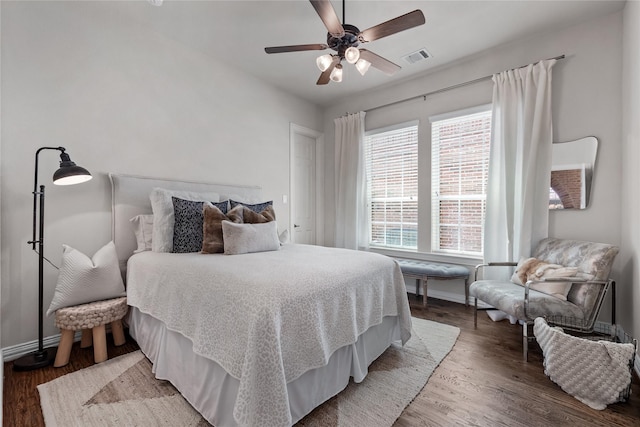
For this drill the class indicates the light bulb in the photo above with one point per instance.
(363, 66)
(323, 62)
(336, 74)
(352, 54)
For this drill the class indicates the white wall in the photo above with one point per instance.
(124, 100)
(1, 353)
(586, 101)
(629, 283)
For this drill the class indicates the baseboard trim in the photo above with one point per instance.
(448, 296)
(454, 297)
(15, 351)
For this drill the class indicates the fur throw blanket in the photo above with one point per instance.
(536, 269)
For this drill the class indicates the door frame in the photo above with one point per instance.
(294, 130)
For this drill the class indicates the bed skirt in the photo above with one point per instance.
(212, 391)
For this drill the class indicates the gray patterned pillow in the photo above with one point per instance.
(188, 223)
(258, 207)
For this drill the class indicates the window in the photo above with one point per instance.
(391, 161)
(460, 144)
(459, 164)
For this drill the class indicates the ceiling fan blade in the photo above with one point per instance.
(326, 74)
(393, 26)
(295, 48)
(329, 17)
(379, 62)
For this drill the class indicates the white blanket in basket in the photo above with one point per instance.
(594, 372)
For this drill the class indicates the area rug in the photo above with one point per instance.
(123, 391)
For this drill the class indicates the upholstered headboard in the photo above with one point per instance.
(130, 197)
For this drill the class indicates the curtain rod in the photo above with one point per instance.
(445, 89)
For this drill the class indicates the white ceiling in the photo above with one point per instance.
(237, 32)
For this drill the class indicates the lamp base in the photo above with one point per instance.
(35, 360)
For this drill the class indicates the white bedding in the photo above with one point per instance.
(278, 314)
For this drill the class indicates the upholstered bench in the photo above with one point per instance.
(91, 319)
(424, 270)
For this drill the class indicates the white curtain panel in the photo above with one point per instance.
(351, 207)
(517, 214)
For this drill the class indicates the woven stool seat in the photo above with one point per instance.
(91, 319)
(90, 315)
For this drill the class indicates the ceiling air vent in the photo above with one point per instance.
(416, 56)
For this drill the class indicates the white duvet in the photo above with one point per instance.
(269, 317)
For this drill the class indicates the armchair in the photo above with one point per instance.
(584, 299)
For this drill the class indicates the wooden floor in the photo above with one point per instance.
(482, 382)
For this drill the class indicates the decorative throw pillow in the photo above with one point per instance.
(535, 269)
(143, 229)
(248, 238)
(212, 238)
(242, 214)
(284, 237)
(258, 207)
(188, 223)
(163, 216)
(82, 280)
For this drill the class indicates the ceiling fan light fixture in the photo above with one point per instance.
(352, 54)
(363, 66)
(336, 74)
(344, 40)
(323, 62)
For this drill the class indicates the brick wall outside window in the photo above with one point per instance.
(460, 160)
(566, 189)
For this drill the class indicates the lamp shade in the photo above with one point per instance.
(363, 66)
(352, 54)
(323, 62)
(336, 74)
(69, 173)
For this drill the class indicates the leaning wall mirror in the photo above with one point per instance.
(572, 167)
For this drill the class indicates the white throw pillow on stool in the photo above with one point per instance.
(82, 279)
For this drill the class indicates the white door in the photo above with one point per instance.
(304, 185)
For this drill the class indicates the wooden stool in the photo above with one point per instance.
(91, 318)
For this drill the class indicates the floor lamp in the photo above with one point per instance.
(68, 174)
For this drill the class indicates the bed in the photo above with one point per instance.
(260, 338)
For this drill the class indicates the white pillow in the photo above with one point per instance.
(82, 280)
(143, 229)
(247, 238)
(163, 218)
(284, 237)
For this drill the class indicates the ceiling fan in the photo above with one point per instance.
(344, 39)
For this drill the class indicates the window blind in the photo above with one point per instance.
(391, 159)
